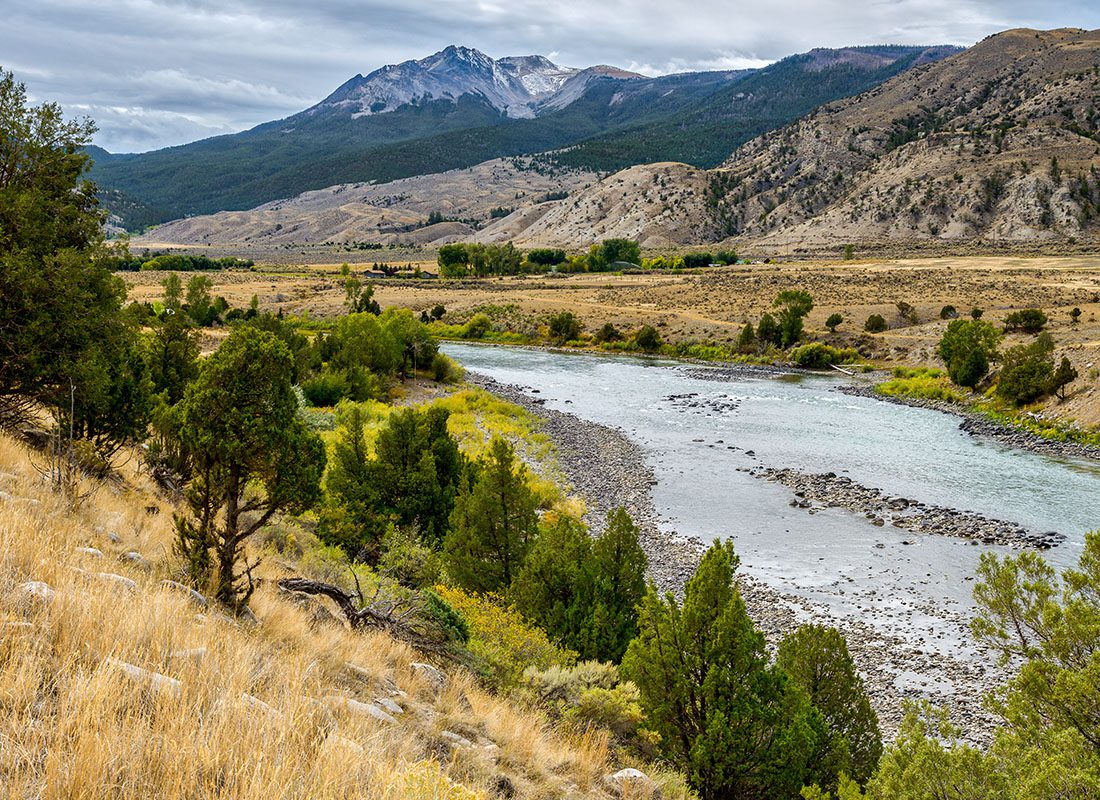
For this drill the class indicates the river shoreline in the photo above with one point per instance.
(607, 469)
(971, 422)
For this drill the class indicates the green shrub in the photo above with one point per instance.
(564, 327)
(816, 355)
(477, 327)
(445, 369)
(1028, 320)
(326, 390)
(647, 339)
(1027, 371)
(833, 322)
(876, 323)
(949, 312)
(607, 333)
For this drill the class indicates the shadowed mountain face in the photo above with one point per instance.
(460, 107)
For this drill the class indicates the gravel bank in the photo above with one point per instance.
(608, 470)
(829, 490)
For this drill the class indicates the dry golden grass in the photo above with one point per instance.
(109, 690)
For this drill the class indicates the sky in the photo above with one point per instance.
(154, 73)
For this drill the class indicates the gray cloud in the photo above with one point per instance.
(161, 72)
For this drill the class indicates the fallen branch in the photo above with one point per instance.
(396, 618)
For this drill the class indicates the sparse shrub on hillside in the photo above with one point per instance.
(976, 313)
(1028, 320)
(833, 322)
(1074, 316)
(907, 312)
(949, 312)
(876, 323)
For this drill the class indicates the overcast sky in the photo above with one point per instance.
(154, 73)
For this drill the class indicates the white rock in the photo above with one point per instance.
(434, 676)
(360, 709)
(389, 705)
(196, 598)
(160, 684)
(37, 590)
(256, 704)
(91, 552)
(456, 739)
(121, 581)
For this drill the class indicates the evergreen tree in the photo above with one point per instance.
(767, 330)
(173, 356)
(1063, 376)
(833, 322)
(250, 457)
(817, 660)
(724, 714)
(493, 524)
(64, 339)
(554, 587)
(746, 340)
(618, 568)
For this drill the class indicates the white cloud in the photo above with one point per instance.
(181, 69)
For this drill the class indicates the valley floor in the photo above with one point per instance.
(714, 304)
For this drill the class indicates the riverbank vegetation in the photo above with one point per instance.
(997, 384)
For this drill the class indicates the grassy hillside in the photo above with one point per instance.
(116, 685)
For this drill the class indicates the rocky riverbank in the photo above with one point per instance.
(829, 490)
(976, 424)
(608, 470)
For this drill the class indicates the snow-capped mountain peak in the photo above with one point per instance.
(516, 86)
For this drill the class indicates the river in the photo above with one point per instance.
(697, 433)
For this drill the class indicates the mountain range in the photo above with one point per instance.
(459, 107)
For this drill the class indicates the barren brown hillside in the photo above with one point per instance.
(394, 212)
(999, 143)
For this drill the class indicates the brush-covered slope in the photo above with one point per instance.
(115, 685)
(998, 143)
(398, 211)
(659, 205)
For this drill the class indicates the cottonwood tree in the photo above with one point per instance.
(793, 305)
(967, 347)
(250, 457)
